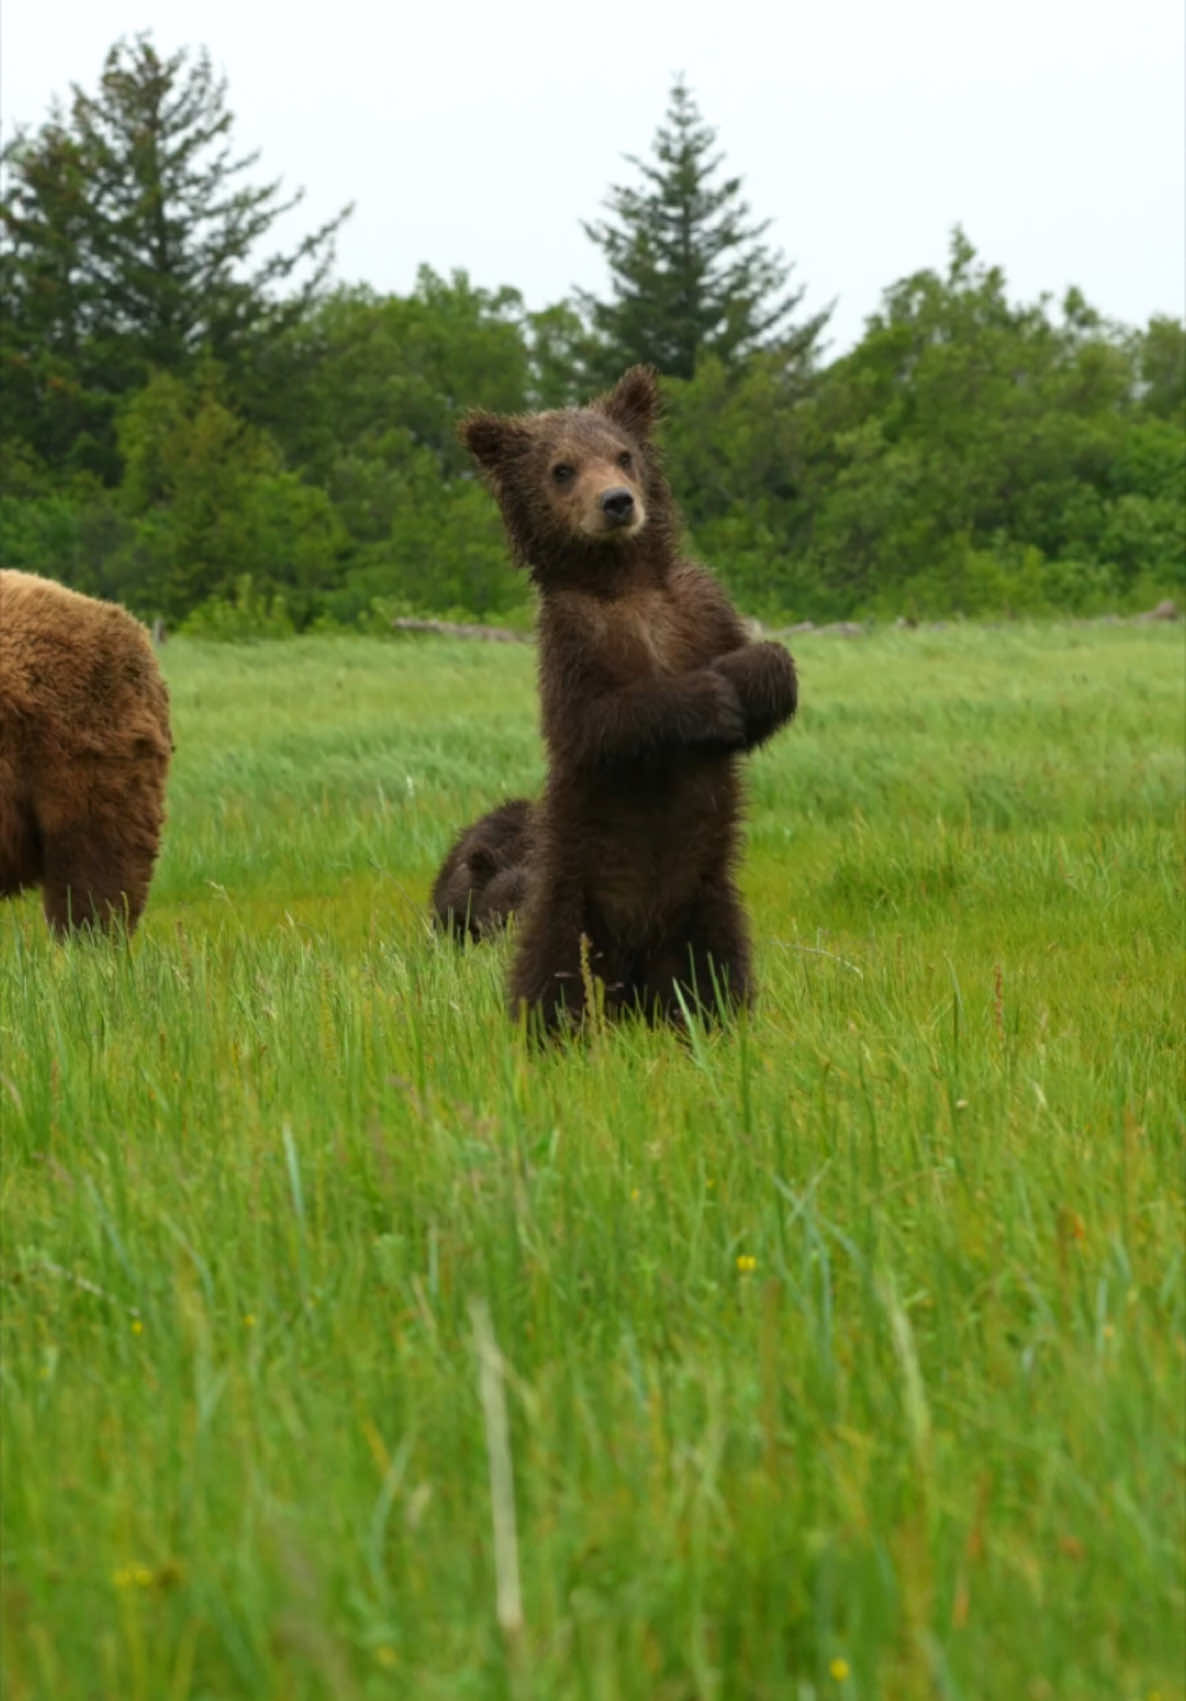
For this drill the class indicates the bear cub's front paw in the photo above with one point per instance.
(721, 711)
(764, 678)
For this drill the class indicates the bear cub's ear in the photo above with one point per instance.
(633, 403)
(492, 439)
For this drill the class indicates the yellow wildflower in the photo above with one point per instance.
(137, 1326)
(839, 1669)
(746, 1262)
(132, 1577)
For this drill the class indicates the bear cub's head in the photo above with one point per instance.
(577, 482)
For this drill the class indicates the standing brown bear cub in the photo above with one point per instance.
(650, 691)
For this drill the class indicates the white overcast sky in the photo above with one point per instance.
(478, 135)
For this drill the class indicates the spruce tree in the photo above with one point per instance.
(130, 242)
(690, 274)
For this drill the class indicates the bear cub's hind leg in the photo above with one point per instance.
(704, 964)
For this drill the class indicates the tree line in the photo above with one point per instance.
(214, 432)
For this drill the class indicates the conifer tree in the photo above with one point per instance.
(130, 244)
(690, 273)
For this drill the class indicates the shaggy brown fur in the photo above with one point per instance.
(84, 753)
(650, 690)
(483, 879)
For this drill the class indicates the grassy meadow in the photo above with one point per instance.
(350, 1351)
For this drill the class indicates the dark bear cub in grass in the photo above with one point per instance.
(483, 879)
(650, 691)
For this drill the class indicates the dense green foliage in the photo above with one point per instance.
(845, 1352)
(187, 426)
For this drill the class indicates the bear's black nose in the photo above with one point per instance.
(618, 504)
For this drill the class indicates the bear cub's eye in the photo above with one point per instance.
(626, 460)
(563, 473)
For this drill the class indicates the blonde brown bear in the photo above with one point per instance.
(85, 745)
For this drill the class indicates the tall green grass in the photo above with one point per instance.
(843, 1353)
